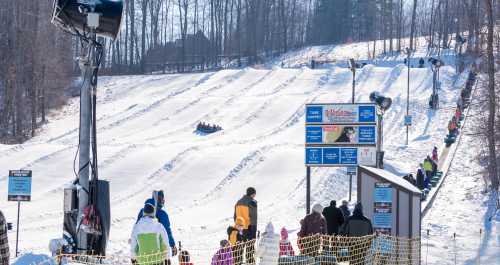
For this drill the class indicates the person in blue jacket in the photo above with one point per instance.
(158, 200)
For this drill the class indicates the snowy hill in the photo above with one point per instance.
(146, 141)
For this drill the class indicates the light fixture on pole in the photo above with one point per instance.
(352, 66)
(436, 64)
(383, 103)
(87, 209)
(408, 118)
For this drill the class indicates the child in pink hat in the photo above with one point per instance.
(286, 248)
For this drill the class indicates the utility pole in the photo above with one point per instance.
(408, 51)
(88, 65)
(352, 64)
(380, 139)
(308, 190)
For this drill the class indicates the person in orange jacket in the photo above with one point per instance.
(237, 239)
(246, 208)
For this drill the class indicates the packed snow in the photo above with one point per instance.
(147, 141)
(463, 224)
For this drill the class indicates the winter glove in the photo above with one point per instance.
(174, 251)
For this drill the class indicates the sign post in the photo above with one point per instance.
(19, 190)
(340, 135)
(351, 171)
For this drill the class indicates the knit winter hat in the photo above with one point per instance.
(284, 234)
(223, 243)
(317, 208)
(251, 191)
(270, 228)
(149, 209)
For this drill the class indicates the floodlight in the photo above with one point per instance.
(72, 16)
(436, 62)
(383, 102)
(352, 64)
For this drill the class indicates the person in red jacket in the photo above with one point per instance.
(286, 248)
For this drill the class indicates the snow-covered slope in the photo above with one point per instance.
(463, 225)
(146, 141)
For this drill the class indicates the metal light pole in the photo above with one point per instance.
(352, 63)
(308, 190)
(380, 139)
(87, 64)
(408, 51)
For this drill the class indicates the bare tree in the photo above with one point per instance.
(492, 166)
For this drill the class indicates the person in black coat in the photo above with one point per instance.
(420, 179)
(334, 218)
(344, 208)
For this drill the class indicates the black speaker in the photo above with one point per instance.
(383, 102)
(103, 208)
(71, 16)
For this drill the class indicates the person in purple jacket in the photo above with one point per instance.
(224, 255)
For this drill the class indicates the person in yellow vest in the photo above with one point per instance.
(237, 239)
(428, 167)
(246, 208)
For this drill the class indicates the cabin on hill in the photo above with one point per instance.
(168, 57)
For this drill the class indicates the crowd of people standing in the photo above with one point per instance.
(152, 241)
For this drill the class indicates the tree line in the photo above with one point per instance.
(35, 67)
(217, 31)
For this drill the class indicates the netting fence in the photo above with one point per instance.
(270, 250)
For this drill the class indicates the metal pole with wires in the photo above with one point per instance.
(87, 64)
(407, 118)
(352, 65)
(86, 203)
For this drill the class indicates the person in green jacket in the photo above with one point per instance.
(149, 241)
(428, 167)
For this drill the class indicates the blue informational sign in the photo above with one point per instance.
(408, 120)
(314, 134)
(341, 113)
(331, 155)
(340, 156)
(349, 156)
(382, 207)
(382, 220)
(366, 135)
(314, 156)
(19, 185)
(341, 134)
(314, 114)
(382, 192)
(351, 170)
(367, 113)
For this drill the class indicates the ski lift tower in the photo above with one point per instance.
(86, 202)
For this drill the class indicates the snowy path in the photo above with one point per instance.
(461, 208)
